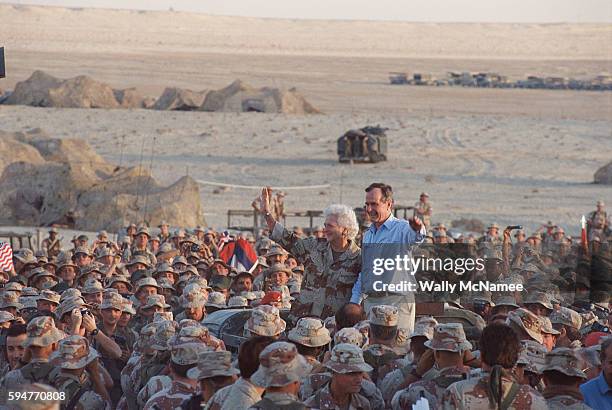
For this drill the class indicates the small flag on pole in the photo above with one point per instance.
(6, 257)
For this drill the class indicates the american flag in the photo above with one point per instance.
(6, 257)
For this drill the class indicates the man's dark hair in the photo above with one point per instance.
(572, 334)
(499, 345)
(248, 354)
(16, 329)
(386, 190)
(349, 315)
(384, 333)
(180, 369)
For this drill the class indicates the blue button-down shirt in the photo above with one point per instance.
(597, 393)
(394, 231)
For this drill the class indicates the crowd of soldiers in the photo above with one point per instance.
(122, 325)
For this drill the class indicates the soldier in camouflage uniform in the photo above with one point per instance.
(79, 376)
(496, 387)
(214, 371)
(184, 356)
(563, 378)
(42, 338)
(310, 336)
(331, 265)
(348, 371)
(382, 353)
(568, 322)
(264, 321)
(281, 369)
(140, 247)
(448, 344)
(424, 210)
(192, 303)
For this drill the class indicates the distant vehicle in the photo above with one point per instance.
(398, 78)
(17, 240)
(365, 145)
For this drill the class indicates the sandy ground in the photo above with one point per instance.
(511, 156)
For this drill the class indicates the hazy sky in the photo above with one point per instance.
(409, 10)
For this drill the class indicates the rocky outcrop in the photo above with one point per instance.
(604, 174)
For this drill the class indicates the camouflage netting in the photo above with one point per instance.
(44, 90)
(604, 174)
(63, 181)
(241, 97)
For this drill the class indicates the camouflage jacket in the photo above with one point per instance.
(129, 253)
(564, 397)
(155, 385)
(323, 400)
(432, 389)
(36, 371)
(71, 385)
(327, 284)
(240, 395)
(278, 401)
(473, 394)
(383, 359)
(171, 397)
(317, 381)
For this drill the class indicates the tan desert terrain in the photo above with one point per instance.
(505, 155)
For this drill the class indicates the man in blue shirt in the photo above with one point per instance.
(598, 392)
(389, 230)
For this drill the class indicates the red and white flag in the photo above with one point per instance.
(6, 257)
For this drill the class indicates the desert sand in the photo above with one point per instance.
(510, 156)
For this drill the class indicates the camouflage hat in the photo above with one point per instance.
(49, 296)
(41, 331)
(265, 321)
(165, 283)
(164, 332)
(539, 298)
(547, 326)
(279, 267)
(505, 300)
(349, 335)
(192, 300)
(493, 225)
(128, 307)
(425, 327)
(220, 282)
(68, 305)
(279, 365)
(237, 301)
(309, 332)
(526, 321)
(156, 300)
(384, 315)
(28, 302)
(84, 250)
(112, 300)
(347, 358)
(530, 267)
(143, 230)
(6, 317)
(276, 250)
(185, 354)
(162, 317)
(261, 261)
(564, 360)
(13, 287)
(121, 279)
(165, 267)
(146, 282)
(70, 293)
(9, 299)
(532, 356)
(213, 364)
(103, 252)
(139, 259)
(75, 353)
(216, 299)
(449, 337)
(92, 286)
(179, 259)
(484, 296)
(39, 273)
(28, 291)
(567, 317)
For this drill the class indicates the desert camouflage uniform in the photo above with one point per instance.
(71, 384)
(323, 400)
(383, 358)
(327, 284)
(317, 381)
(565, 361)
(130, 253)
(171, 397)
(423, 211)
(432, 389)
(153, 386)
(241, 395)
(472, 394)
